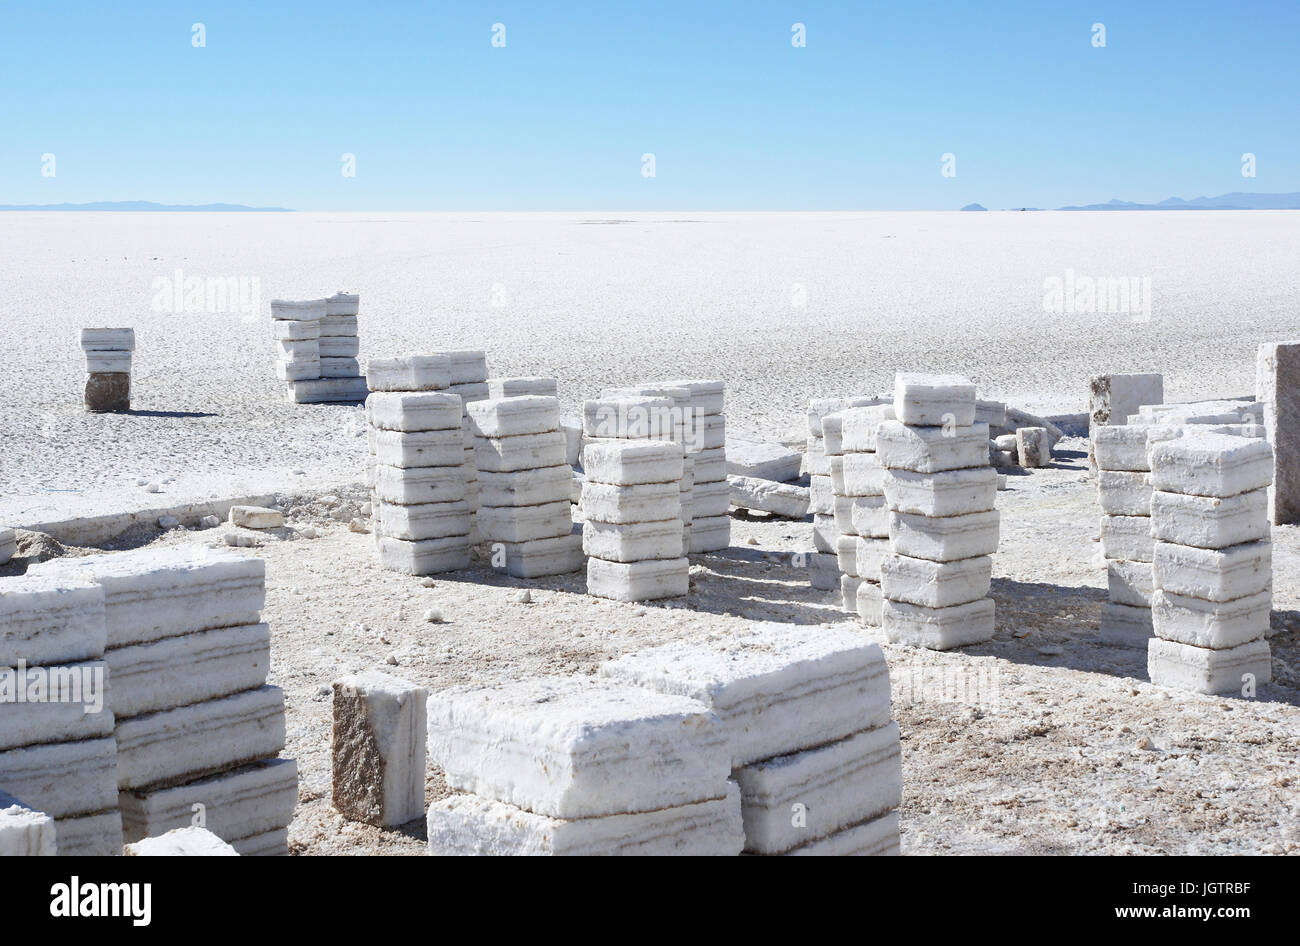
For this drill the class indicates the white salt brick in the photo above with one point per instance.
(425, 521)
(779, 499)
(540, 557)
(50, 619)
(339, 346)
(409, 373)
(307, 310)
(108, 362)
(427, 557)
(339, 367)
(859, 426)
(844, 515)
(269, 844)
(328, 391)
(816, 462)
(1216, 625)
(513, 416)
(710, 534)
(305, 370)
(710, 500)
(468, 366)
(993, 413)
(650, 502)
(525, 487)
(523, 387)
(63, 778)
(1211, 465)
(630, 418)
(1127, 537)
(294, 350)
(108, 339)
(832, 442)
(572, 430)
(869, 516)
(849, 592)
(870, 556)
(931, 449)
(1129, 583)
(524, 523)
(934, 400)
(633, 542)
(764, 461)
(825, 533)
(1124, 493)
(421, 484)
(1127, 447)
(935, 584)
(819, 408)
(863, 475)
(632, 463)
(256, 517)
(23, 831)
(378, 749)
(938, 628)
(98, 834)
(1213, 574)
(821, 496)
(181, 842)
(946, 538)
(836, 464)
(1209, 522)
(846, 554)
(647, 580)
(177, 671)
(953, 493)
(710, 465)
(295, 331)
(1124, 625)
(524, 452)
(54, 703)
(875, 838)
(417, 448)
(1202, 670)
(870, 603)
(708, 396)
(823, 571)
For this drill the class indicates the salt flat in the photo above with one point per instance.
(783, 306)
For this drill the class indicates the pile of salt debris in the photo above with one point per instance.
(317, 348)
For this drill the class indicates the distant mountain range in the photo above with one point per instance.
(1234, 201)
(148, 205)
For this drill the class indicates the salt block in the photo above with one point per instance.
(50, 619)
(1211, 465)
(776, 689)
(539, 558)
(339, 346)
(1124, 493)
(821, 495)
(650, 502)
(846, 555)
(710, 500)
(524, 523)
(421, 484)
(1232, 670)
(97, 834)
(513, 416)
(470, 391)
(1129, 583)
(23, 831)
(572, 430)
(409, 373)
(849, 592)
(710, 465)
(647, 580)
(937, 628)
(296, 350)
(416, 448)
(1127, 537)
(468, 366)
(1113, 397)
(8, 545)
(935, 584)
(308, 310)
(929, 400)
(63, 778)
(869, 555)
(993, 413)
(836, 464)
(256, 517)
(707, 395)
(859, 426)
(832, 442)
(632, 463)
(523, 452)
(1033, 447)
(108, 339)
(291, 331)
(378, 749)
(780, 499)
(863, 475)
(1213, 574)
(816, 463)
(247, 801)
(633, 542)
(328, 391)
(710, 534)
(844, 515)
(200, 739)
(825, 533)
(342, 304)
(823, 571)
(270, 844)
(478, 826)
(523, 387)
(426, 557)
(875, 838)
(578, 747)
(1124, 625)
(630, 418)
(181, 842)
(764, 461)
(834, 786)
(425, 521)
(1209, 522)
(944, 539)
(952, 493)
(108, 392)
(576, 483)
(1277, 386)
(191, 668)
(870, 603)
(931, 449)
(54, 703)
(818, 408)
(108, 362)
(1216, 625)
(1006, 442)
(151, 593)
(305, 369)
(869, 516)
(335, 368)
(525, 487)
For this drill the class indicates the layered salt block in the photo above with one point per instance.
(630, 418)
(294, 331)
(944, 539)
(154, 593)
(825, 533)
(421, 484)
(339, 367)
(1127, 537)
(525, 487)
(764, 461)
(306, 369)
(711, 465)
(779, 499)
(816, 463)
(935, 584)
(8, 545)
(513, 416)
(649, 502)
(256, 517)
(470, 391)
(247, 801)
(338, 325)
(846, 554)
(863, 475)
(406, 449)
(832, 442)
(849, 592)
(776, 689)
(937, 628)
(993, 413)
(1211, 465)
(823, 571)
(107, 339)
(108, 362)
(50, 619)
(97, 834)
(524, 523)
(878, 837)
(646, 580)
(710, 500)
(1202, 670)
(468, 366)
(1209, 522)
(522, 452)
(54, 703)
(271, 844)
(572, 430)
(859, 427)
(869, 555)
(710, 534)
(835, 785)
(1213, 574)
(424, 557)
(844, 515)
(342, 305)
(1215, 625)
(409, 373)
(191, 668)
(181, 842)
(339, 346)
(378, 749)
(23, 831)
(1033, 447)
(538, 558)
(632, 463)
(707, 395)
(200, 739)
(1129, 583)
(821, 495)
(108, 392)
(1277, 387)
(296, 350)
(870, 603)
(309, 310)
(931, 449)
(472, 825)
(1124, 493)
(1125, 448)
(952, 493)
(868, 516)
(1124, 625)
(633, 542)
(934, 400)
(819, 408)
(578, 747)
(328, 391)
(63, 778)
(426, 521)
(523, 387)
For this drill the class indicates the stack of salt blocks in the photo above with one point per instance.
(632, 528)
(580, 766)
(108, 368)
(195, 722)
(861, 518)
(705, 441)
(943, 528)
(1212, 567)
(524, 486)
(421, 518)
(469, 382)
(809, 736)
(59, 758)
(823, 565)
(317, 346)
(340, 345)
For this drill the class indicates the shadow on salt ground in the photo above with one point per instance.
(779, 592)
(168, 414)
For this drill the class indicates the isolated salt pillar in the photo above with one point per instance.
(108, 368)
(1277, 388)
(379, 749)
(1113, 397)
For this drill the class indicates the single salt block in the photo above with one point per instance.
(927, 400)
(650, 502)
(538, 558)
(513, 416)
(108, 392)
(632, 462)
(844, 515)
(630, 418)
(826, 533)
(1213, 574)
(710, 500)
(1209, 522)
(952, 493)
(108, 362)
(339, 346)
(779, 499)
(328, 391)
(870, 603)
(708, 395)
(342, 304)
(1124, 625)
(710, 534)
(181, 842)
(859, 427)
(108, 339)
(409, 373)
(340, 368)
(256, 517)
(522, 387)
(1127, 538)
(1216, 625)
(378, 748)
(946, 538)
(1124, 492)
(426, 556)
(419, 448)
(821, 495)
(1277, 388)
(646, 580)
(849, 592)
(425, 521)
(935, 584)
(97, 834)
(1233, 670)
(863, 475)
(308, 310)
(819, 408)
(468, 366)
(823, 571)
(846, 555)
(422, 484)
(522, 452)
(938, 628)
(931, 449)
(25, 832)
(1033, 447)
(1204, 464)
(869, 516)
(875, 838)
(63, 779)
(815, 461)
(525, 487)
(1129, 583)
(295, 331)
(869, 555)
(50, 619)
(765, 461)
(517, 524)
(634, 541)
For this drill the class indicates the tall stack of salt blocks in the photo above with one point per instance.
(1113, 397)
(25, 832)
(580, 766)
(420, 515)
(632, 526)
(809, 736)
(469, 382)
(58, 756)
(1277, 389)
(861, 520)
(1212, 567)
(943, 529)
(317, 347)
(195, 723)
(378, 749)
(1124, 492)
(524, 484)
(108, 368)
(705, 440)
(823, 566)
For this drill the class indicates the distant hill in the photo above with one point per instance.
(1234, 201)
(148, 205)
(974, 207)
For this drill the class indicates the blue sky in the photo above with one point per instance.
(736, 117)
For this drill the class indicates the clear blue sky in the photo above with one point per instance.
(558, 119)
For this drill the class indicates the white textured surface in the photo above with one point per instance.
(1211, 465)
(181, 842)
(938, 628)
(1217, 625)
(1209, 522)
(24, 832)
(1208, 671)
(1213, 574)
(931, 449)
(48, 619)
